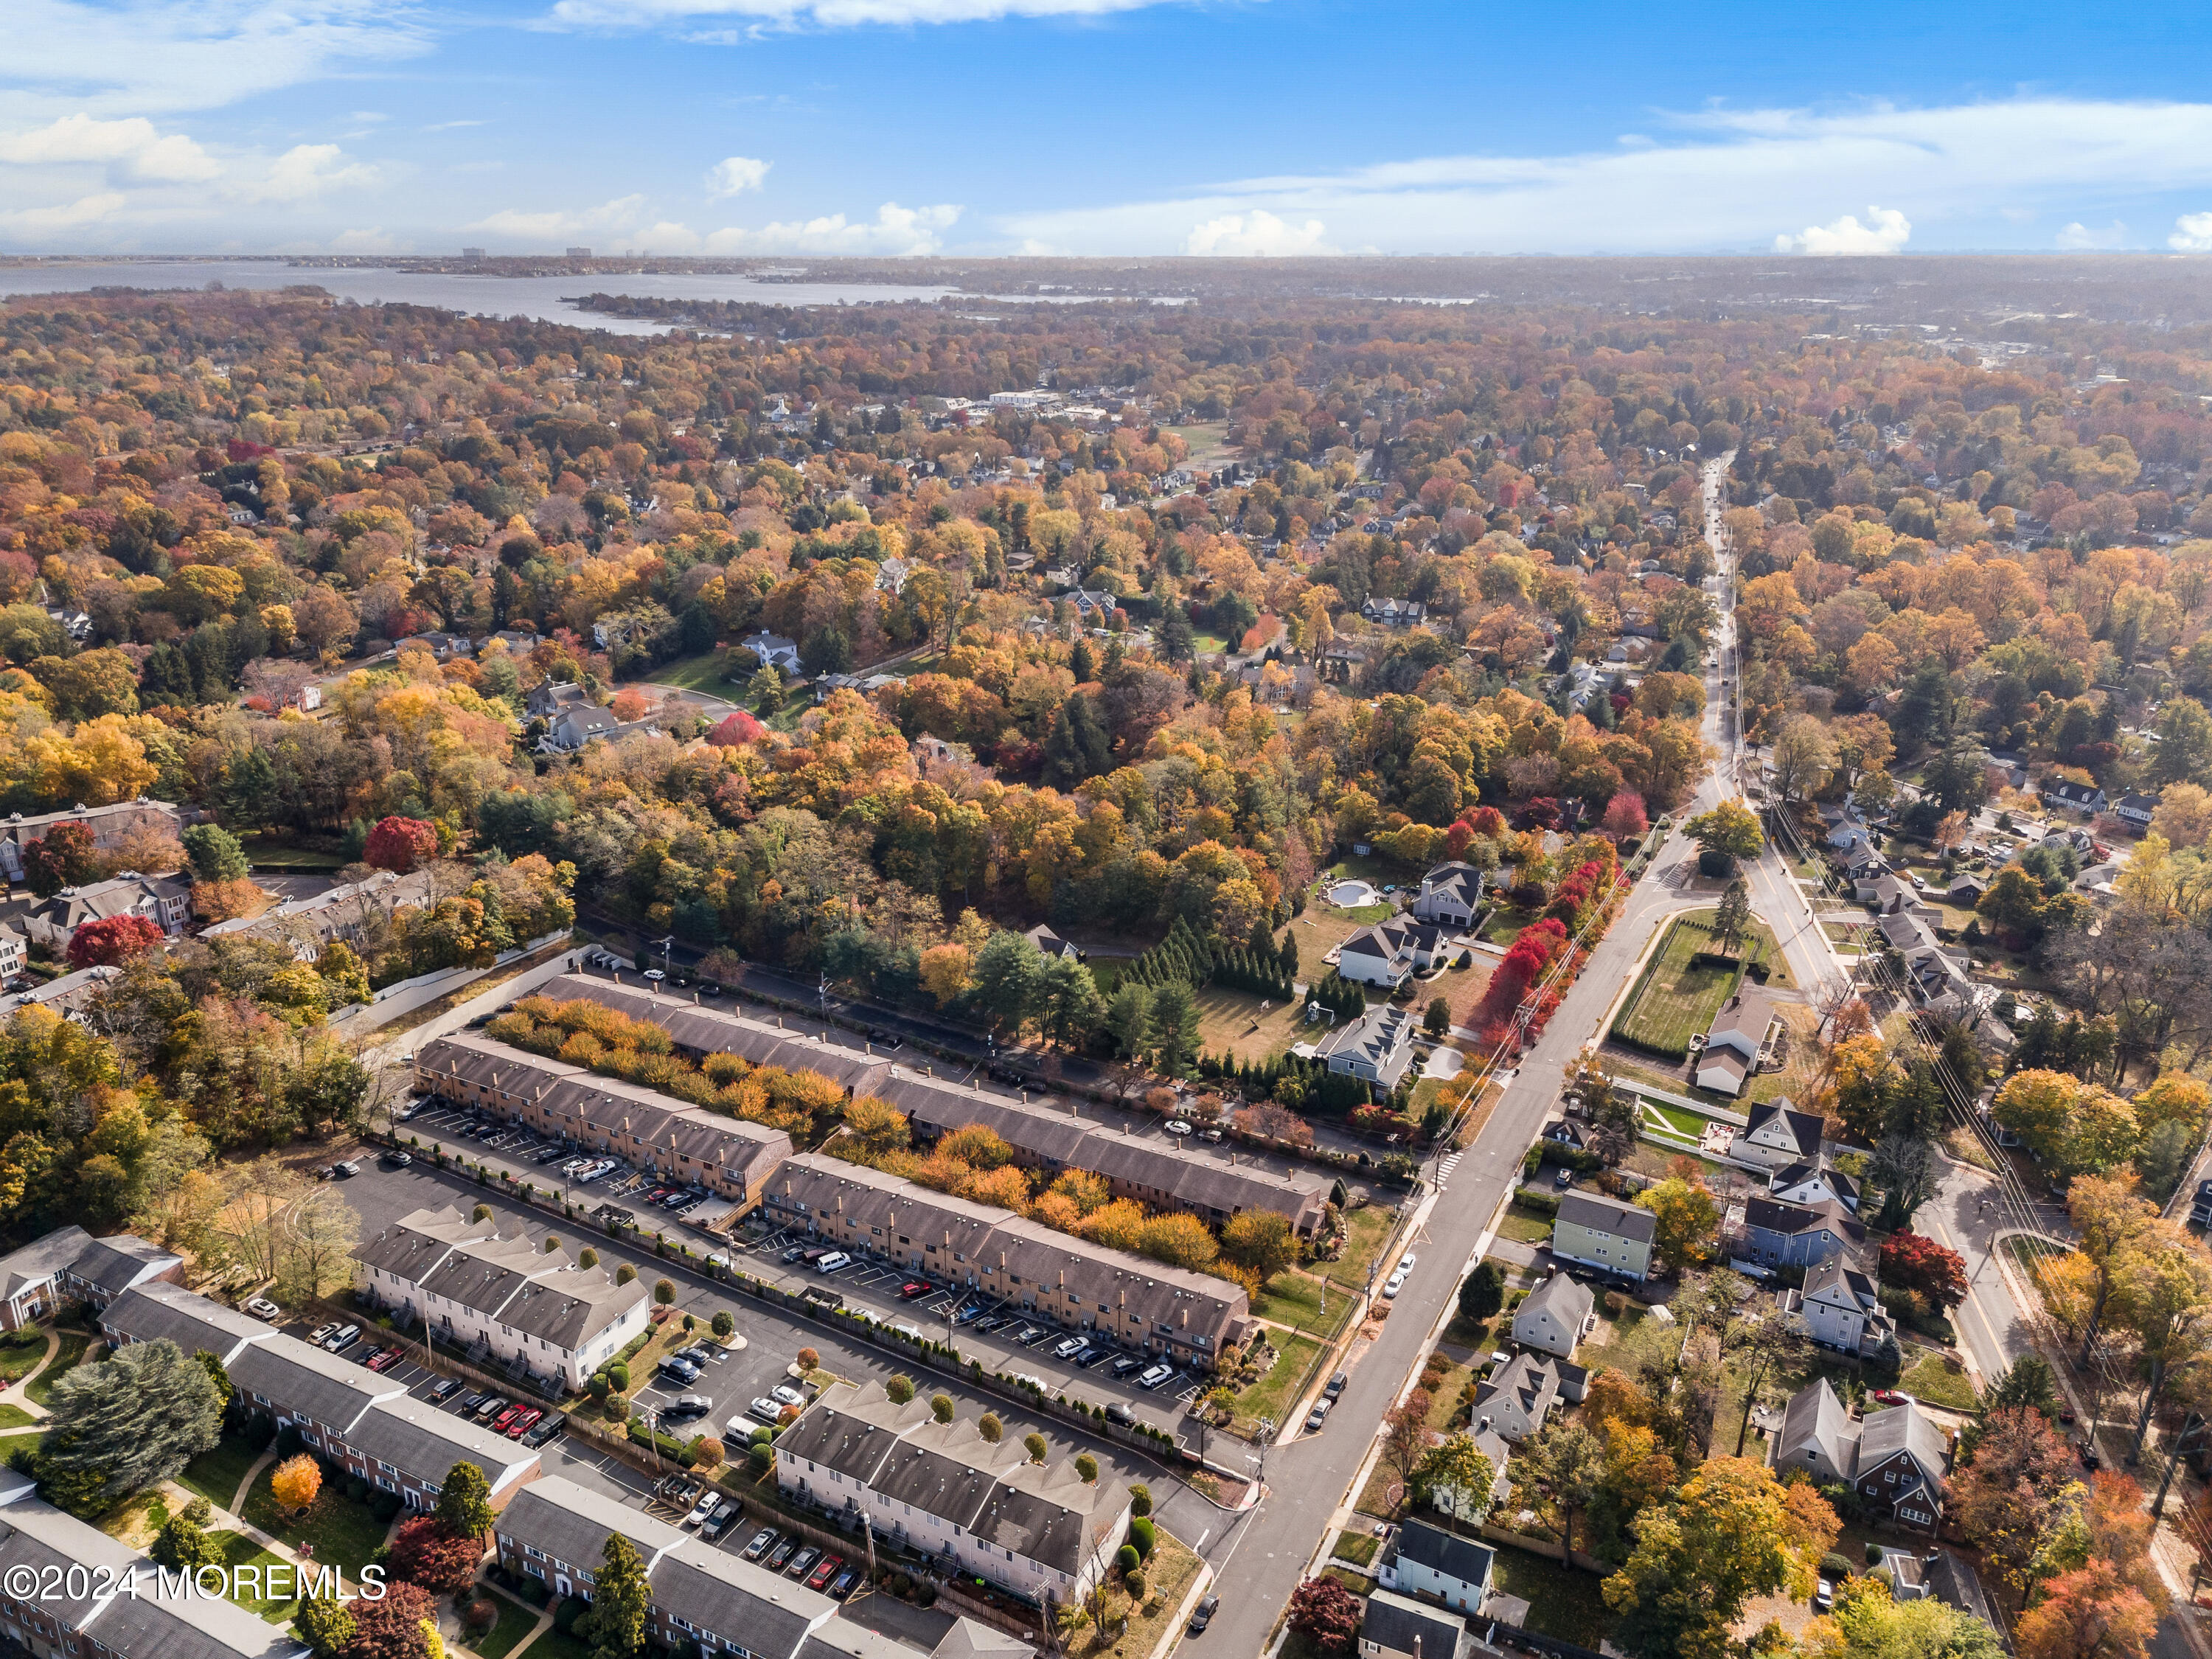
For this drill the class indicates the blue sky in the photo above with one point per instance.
(1205, 127)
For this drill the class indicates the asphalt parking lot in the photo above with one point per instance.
(1002, 1337)
(765, 1342)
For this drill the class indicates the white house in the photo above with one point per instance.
(1431, 1565)
(529, 1307)
(1840, 1308)
(1450, 896)
(1808, 1184)
(1517, 1398)
(1778, 1137)
(1556, 1315)
(1391, 952)
(774, 651)
(1735, 1041)
(1377, 1047)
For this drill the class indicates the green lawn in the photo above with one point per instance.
(1365, 1233)
(240, 1551)
(19, 1352)
(15, 1417)
(1930, 1378)
(1271, 1395)
(306, 858)
(215, 1474)
(1504, 925)
(556, 1645)
(706, 672)
(1525, 1226)
(40, 1391)
(514, 1622)
(1290, 1298)
(1681, 1121)
(1675, 1000)
(1356, 1548)
(344, 1534)
(1365, 914)
(1563, 1602)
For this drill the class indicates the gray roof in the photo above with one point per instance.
(969, 1640)
(299, 1377)
(1901, 1428)
(1607, 1215)
(417, 1438)
(1835, 1273)
(41, 1258)
(147, 1313)
(1952, 1581)
(146, 1627)
(737, 1599)
(1397, 1624)
(1567, 1297)
(1444, 1553)
(1374, 1036)
(1815, 1417)
(1804, 1128)
(570, 1522)
(1776, 1215)
(117, 1263)
(1527, 1379)
(851, 1431)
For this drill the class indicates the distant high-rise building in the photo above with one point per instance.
(580, 253)
(473, 253)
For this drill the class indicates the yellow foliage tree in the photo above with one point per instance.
(296, 1481)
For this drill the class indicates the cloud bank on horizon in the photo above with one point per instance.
(804, 127)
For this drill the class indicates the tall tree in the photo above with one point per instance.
(621, 1599)
(2163, 1299)
(464, 1502)
(2115, 1221)
(1570, 1461)
(133, 1418)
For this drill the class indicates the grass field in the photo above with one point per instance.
(1290, 1298)
(344, 1533)
(1503, 924)
(1681, 1121)
(19, 1351)
(1524, 1226)
(1272, 1394)
(1231, 1021)
(15, 1417)
(1562, 1601)
(40, 1391)
(1676, 999)
(1365, 1233)
(1358, 1548)
(706, 672)
(214, 1474)
(1933, 1379)
(1168, 1580)
(240, 1551)
(514, 1622)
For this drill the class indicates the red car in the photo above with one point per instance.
(913, 1288)
(821, 1575)
(386, 1360)
(501, 1423)
(523, 1425)
(1891, 1397)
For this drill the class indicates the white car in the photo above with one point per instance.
(703, 1508)
(342, 1339)
(831, 1262)
(787, 1395)
(262, 1307)
(1068, 1349)
(1404, 1265)
(1152, 1378)
(1397, 1283)
(1177, 1127)
(766, 1410)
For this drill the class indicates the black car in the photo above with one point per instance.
(546, 1429)
(1203, 1616)
(446, 1389)
(887, 1040)
(473, 1399)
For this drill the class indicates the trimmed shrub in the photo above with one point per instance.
(1143, 1534)
(1126, 1558)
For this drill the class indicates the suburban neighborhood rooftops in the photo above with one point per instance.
(307, 1380)
(1444, 1553)
(1607, 1215)
(1565, 1296)
(150, 1313)
(571, 1523)
(713, 1591)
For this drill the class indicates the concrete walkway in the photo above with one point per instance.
(14, 1394)
(224, 1520)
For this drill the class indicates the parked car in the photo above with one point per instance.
(1391, 1289)
(445, 1388)
(1090, 1356)
(1125, 1364)
(820, 1578)
(1067, 1349)
(703, 1508)
(761, 1540)
(1318, 1415)
(524, 1424)
(831, 1262)
(1564, 1179)
(469, 1402)
(396, 1160)
(913, 1288)
(1152, 1378)
(688, 1406)
(1118, 1412)
(491, 1407)
(843, 1587)
(697, 1354)
(787, 1395)
(342, 1339)
(766, 1410)
(1203, 1616)
(262, 1307)
(499, 1425)
(1336, 1385)
(1893, 1397)
(1824, 1598)
(346, 1168)
(322, 1334)
(546, 1430)
(1176, 1126)
(802, 1563)
(1210, 1133)
(1405, 1263)
(888, 1041)
(796, 1253)
(781, 1553)
(718, 1522)
(682, 1370)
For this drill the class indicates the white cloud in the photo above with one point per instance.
(2078, 236)
(734, 175)
(618, 215)
(70, 216)
(894, 231)
(2192, 234)
(1718, 180)
(364, 241)
(136, 56)
(1257, 232)
(1886, 231)
(764, 14)
(133, 145)
(307, 171)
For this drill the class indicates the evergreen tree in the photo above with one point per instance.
(620, 1601)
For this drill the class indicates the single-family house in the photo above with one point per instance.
(1840, 1308)
(1778, 1135)
(2136, 811)
(1735, 1043)
(2084, 798)
(1450, 896)
(1556, 1315)
(1808, 1184)
(1391, 952)
(1818, 1436)
(1604, 1233)
(774, 650)
(1779, 1235)
(1051, 944)
(1394, 613)
(1377, 1046)
(1397, 1626)
(1431, 1565)
(1894, 1458)
(1517, 1398)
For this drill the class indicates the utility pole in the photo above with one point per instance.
(2193, 1425)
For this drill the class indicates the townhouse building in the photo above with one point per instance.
(1143, 1305)
(70, 1265)
(110, 826)
(538, 1312)
(349, 1415)
(556, 1532)
(971, 1505)
(727, 1156)
(339, 914)
(81, 1595)
(696, 1031)
(1214, 1186)
(165, 900)
(1604, 1233)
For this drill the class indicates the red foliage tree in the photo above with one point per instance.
(422, 1553)
(1539, 945)
(111, 940)
(1457, 837)
(392, 1628)
(738, 728)
(1913, 1261)
(1326, 1613)
(62, 857)
(1625, 816)
(400, 844)
(1487, 821)
(1541, 813)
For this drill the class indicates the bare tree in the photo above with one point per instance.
(253, 1221)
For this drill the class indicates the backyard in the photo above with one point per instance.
(1169, 1576)
(217, 1474)
(1676, 998)
(1563, 1602)
(1234, 1022)
(1291, 1298)
(342, 1534)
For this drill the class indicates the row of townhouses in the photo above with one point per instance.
(334, 915)
(1187, 1316)
(351, 1415)
(972, 1506)
(530, 1308)
(70, 1265)
(556, 1532)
